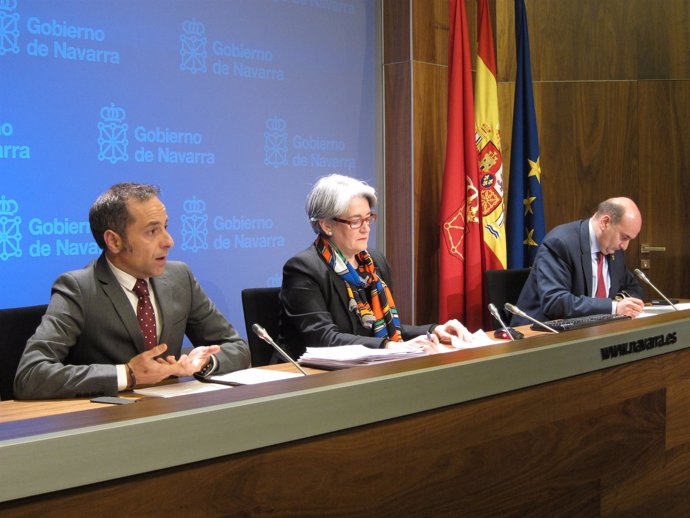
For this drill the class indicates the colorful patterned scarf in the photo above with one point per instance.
(370, 298)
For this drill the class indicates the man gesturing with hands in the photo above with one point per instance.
(120, 321)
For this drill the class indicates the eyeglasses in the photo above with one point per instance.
(357, 222)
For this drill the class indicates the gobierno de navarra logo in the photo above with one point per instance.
(10, 235)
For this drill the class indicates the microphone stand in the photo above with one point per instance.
(644, 278)
(494, 313)
(261, 333)
(517, 311)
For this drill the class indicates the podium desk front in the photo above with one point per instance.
(591, 422)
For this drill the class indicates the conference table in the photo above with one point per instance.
(591, 422)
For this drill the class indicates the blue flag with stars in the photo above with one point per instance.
(525, 215)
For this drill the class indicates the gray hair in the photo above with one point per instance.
(331, 196)
(110, 212)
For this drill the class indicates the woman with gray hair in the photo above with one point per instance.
(337, 292)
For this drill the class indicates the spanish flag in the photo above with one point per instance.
(488, 135)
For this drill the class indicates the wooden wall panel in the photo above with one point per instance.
(662, 38)
(583, 40)
(430, 31)
(396, 31)
(588, 142)
(665, 181)
(429, 152)
(399, 223)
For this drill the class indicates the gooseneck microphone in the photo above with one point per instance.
(261, 333)
(517, 311)
(643, 278)
(494, 313)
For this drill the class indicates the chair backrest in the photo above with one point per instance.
(17, 325)
(505, 286)
(261, 306)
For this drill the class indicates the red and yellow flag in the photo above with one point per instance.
(488, 135)
(461, 243)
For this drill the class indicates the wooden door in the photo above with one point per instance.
(664, 184)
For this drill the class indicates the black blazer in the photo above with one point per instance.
(560, 283)
(315, 312)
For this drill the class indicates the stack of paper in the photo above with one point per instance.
(344, 356)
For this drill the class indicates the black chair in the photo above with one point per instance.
(261, 306)
(17, 325)
(504, 286)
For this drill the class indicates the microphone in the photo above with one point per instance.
(644, 278)
(494, 313)
(261, 333)
(517, 311)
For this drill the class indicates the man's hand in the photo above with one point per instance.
(191, 363)
(629, 306)
(148, 369)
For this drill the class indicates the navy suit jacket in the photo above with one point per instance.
(90, 326)
(560, 283)
(315, 310)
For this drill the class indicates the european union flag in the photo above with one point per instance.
(525, 218)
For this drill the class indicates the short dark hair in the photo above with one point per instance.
(109, 211)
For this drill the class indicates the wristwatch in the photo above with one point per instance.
(208, 368)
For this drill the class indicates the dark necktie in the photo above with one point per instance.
(145, 314)
(601, 283)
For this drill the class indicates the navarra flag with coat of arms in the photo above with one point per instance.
(461, 243)
(488, 135)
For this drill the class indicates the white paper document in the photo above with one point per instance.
(254, 376)
(225, 381)
(648, 311)
(180, 389)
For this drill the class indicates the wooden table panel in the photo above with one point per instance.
(613, 441)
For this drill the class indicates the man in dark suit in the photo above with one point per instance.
(564, 278)
(91, 341)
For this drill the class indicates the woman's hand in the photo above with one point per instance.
(428, 343)
(452, 331)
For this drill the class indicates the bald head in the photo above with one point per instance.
(616, 222)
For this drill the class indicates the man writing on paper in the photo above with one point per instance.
(120, 321)
(580, 268)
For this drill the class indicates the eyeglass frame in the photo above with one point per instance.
(361, 221)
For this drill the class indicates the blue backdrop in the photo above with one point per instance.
(233, 108)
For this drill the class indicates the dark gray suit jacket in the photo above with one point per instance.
(315, 311)
(90, 326)
(560, 283)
